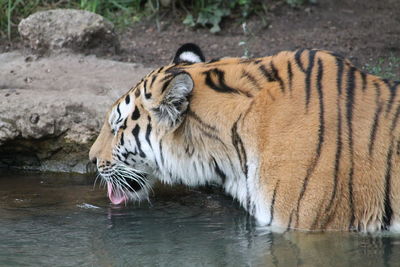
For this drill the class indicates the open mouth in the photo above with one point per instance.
(117, 194)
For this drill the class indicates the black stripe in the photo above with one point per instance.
(297, 57)
(119, 115)
(152, 80)
(267, 74)
(335, 54)
(124, 125)
(161, 151)
(321, 135)
(173, 69)
(146, 95)
(128, 154)
(219, 172)
(308, 73)
(375, 122)
(193, 115)
(350, 93)
(290, 75)
(214, 60)
(251, 78)
(222, 87)
(148, 131)
(339, 145)
(135, 133)
(125, 155)
(273, 203)
(395, 119)
(165, 85)
(127, 99)
(392, 89)
(363, 80)
(167, 77)
(160, 69)
(119, 158)
(339, 77)
(135, 114)
(387, 217)
(275, 74)
(398, 148)
(321, 131)
(239, 147)
(122, 141)
(210, 135)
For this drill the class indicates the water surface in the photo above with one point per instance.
(61, 220)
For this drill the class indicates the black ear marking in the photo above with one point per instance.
(189, 53)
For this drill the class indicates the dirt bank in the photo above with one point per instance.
(363, 30)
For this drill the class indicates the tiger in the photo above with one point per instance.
(301, 139)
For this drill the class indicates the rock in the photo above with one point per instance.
(76, 30)
(50, 122)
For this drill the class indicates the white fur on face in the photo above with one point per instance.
(189, 57)
(119, 113)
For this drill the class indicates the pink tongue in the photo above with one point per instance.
(115, 195)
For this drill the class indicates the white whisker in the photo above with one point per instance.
(125, 184)
(128, 175)
(120, 175)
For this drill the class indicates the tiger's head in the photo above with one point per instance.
(128, 150)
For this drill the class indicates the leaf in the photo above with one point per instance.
(189, 20)
(215, 28)
(203, 18)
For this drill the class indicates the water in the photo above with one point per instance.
(48, 220)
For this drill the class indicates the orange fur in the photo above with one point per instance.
(327, 155)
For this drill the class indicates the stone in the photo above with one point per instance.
(68, 29)
(50, 123)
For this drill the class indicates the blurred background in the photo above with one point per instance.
(367, 31)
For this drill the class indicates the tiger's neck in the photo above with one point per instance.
(199, 153)
(196, 154)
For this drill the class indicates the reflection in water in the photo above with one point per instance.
(63, 221)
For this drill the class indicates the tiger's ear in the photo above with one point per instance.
(189, 53)
(175, 100)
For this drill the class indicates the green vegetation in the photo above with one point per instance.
(296, 3)
(119, 11)
(211, 12)
(386, 68)
(204, 13)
